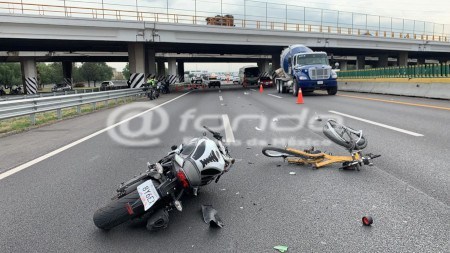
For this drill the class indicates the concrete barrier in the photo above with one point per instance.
(438, 88)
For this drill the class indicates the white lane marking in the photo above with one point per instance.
(220, 98)
(378, 124)
(274, 96)
(253, 90)
(59, 150)
(229, 136)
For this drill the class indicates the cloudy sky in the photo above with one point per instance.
(425, 12)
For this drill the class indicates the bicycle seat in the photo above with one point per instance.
(344, 136)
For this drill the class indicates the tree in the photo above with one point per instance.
(126, 72)
(10, 74)
(95, 71)
(50, 73)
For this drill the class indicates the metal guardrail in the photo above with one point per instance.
(60, 93)
(252, 14)
(11, 109)
(416, 71)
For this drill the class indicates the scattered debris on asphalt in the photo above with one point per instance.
(210, 216)
(318, 118)
(245, 93)
(281, 248)
(241, 207)
(257, 128)
(275, 120)
(278, 165)
(237, 193)
(250, 163)
(292, 173)
(367, 220)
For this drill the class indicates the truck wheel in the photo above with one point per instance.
(278, 88)
(332, 91)
(283, 89)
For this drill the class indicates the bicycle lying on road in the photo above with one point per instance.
(351, 139)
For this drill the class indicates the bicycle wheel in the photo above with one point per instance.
(279, 152)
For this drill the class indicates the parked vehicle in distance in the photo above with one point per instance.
(249, 75)
(266, 81)
(107, 84)
(236, 80)
(213, 81)
(61, 87)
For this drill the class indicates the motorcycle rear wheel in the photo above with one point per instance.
(115, 213)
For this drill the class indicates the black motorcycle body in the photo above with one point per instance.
(149, 196)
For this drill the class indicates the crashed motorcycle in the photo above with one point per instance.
(150, 196)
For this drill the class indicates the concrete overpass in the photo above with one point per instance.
(140, 41)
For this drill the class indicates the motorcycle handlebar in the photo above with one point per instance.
(216, 135)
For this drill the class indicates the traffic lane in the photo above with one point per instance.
(65, 195)
(417, 160)
(362, 186)
(44, 139)
(282, 217)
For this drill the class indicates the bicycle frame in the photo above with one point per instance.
(322, 159)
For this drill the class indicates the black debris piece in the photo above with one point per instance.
(210, 216)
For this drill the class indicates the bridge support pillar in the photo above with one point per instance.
(161, 68)
(136, 58)
(67, 72)
(383, 61)
(275, 62)
(172, 68)
(180, 66)
(150, 62)
(343, 65)
(265, 68)
(360, 62)
(402, 59)
(29, 75)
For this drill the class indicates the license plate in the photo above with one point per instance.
(319, 82)
(148, 194)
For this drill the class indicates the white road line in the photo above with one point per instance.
(229, 136)
(253, 90)
(274, 96)
(59, 150)
(220, 98)
(378, 124)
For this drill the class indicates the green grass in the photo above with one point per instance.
(23, 123)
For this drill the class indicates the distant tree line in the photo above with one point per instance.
(10, 73)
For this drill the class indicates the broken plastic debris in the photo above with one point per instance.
(245, 93)
(281, 248)
(292, 173)
(237, 193)
(318, 118)
(241, 207)
(210, 216)
(257, 128)
(275, 120)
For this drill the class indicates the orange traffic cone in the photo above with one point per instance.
(261, 88)
(300, 96)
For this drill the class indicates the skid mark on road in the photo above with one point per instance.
(378, 124)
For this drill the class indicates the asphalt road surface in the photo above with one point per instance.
(48, 206)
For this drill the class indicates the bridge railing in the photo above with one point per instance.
(412, 71)
(23, 107)
(250, 14)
